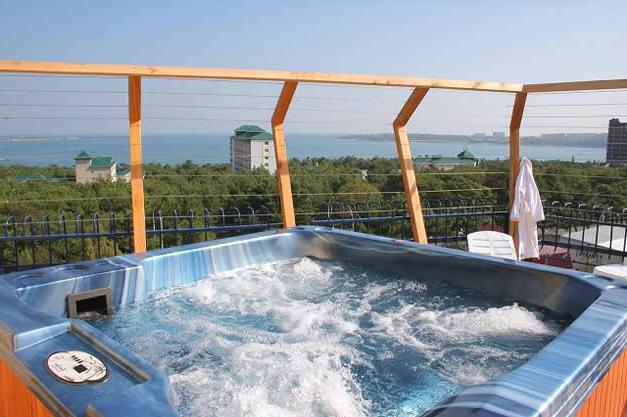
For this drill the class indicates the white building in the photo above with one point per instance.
(100, 168)
(251, 148)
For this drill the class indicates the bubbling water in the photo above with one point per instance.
(302, 338)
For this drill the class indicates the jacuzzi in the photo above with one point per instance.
(35, 305)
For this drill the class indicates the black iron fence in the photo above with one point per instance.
(591, 235)
(583, 232)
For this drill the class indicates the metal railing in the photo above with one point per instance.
(28, 243)
(592, 235)
(584, 232)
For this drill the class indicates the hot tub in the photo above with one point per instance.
(555, 381)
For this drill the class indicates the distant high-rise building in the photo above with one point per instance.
(252, 147)
(616, 143)
(498, 134)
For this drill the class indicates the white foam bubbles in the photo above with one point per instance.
(455, 340)
(302, 338)
(300, 368)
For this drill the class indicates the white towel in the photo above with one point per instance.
(527, 211)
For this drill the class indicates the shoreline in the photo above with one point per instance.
(477, 142)
(574, 140)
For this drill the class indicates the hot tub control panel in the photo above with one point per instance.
(76, 367)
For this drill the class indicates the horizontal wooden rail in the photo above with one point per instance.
(61, 68)
(575, 86)
(122, 70)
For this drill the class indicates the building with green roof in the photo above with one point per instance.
(252, 148)
(82, 156)
(97, 168)
(464, 158)
(124, 170)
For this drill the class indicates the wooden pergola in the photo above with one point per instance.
(290, 79)
(606, 393)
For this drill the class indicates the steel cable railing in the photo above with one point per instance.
(448, 219)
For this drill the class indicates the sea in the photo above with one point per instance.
(214, 148)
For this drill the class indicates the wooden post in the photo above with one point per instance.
(514, 157)
(137, 178)
(280, 153)
(407, 164)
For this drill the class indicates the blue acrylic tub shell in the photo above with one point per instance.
(553, 383)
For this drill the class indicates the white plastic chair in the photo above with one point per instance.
(492, 244)
(615, 271)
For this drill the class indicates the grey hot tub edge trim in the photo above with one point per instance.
(503, 395)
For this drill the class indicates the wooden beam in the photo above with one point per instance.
(137, 177)
(121, 70)
(407, 164)
(514, 156)
(280, 153)
(575, 86)
(63, 68)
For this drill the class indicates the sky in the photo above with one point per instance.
(511, 41)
